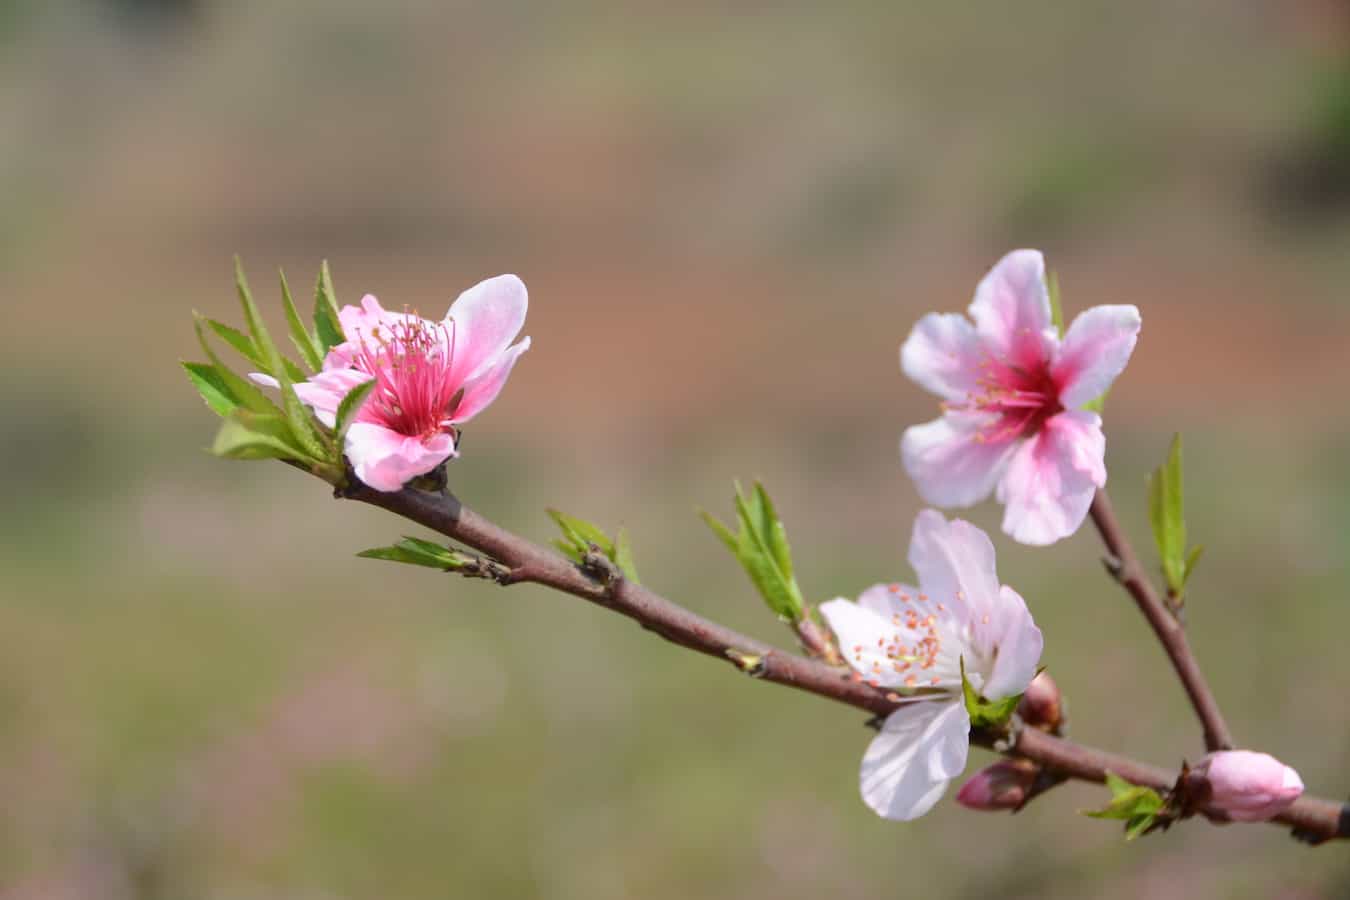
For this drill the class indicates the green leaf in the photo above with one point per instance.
(299, 417)
(985, 713)
(417, 552)
(1166, 514)
(760, 545)
(211, 386)
(349, 406)
(1056, 310)
(623, 556)
(246, 435)
(242, 343)
(327, 324)
(1194, 557)
(244, 392)
(1139, 807)
(582, 533)
(568, 549)
(305, 342)
(1098, 405)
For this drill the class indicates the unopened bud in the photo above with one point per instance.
(1041, 706)
(1005, 784)
(1249, 787)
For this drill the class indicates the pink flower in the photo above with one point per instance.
(1249, 787)
(430, 378)
(1013, 393)
(913, 641)
(1005, 784)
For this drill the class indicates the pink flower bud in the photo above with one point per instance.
(1249, 787)
(1041, 706)
(1005, 784)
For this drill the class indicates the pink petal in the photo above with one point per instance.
(386, 460)
(1019, 644)
(955, 564)
(483, 388)
(362, 321)
(487, 317)
(1012, 310)
(943, 354)
(948, 465)
(1095, 350)
(324, 392)
(908, 764)
(1049, 483)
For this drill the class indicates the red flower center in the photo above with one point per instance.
(411, 361)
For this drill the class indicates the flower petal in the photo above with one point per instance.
(1011, 310)
(487, 317)
(363, 321)
(949, 466)
(324, 392)
(921, 747)
(863, 636)
(884, 599)
(943, 354)
(386, 460)
(1049, 483)
(1095, 350)
(1019, 644)
(955, 564)
(483, 388)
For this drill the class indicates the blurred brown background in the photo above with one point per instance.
(729, 218)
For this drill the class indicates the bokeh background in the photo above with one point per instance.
(728, 217)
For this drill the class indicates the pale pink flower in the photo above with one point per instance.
(1013, 392)
(431, 377)
(1249, 787)
(913, 640)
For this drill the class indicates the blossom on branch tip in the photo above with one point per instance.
(914, 641)
(430, 378)
(1248, 786)
(1013, 392)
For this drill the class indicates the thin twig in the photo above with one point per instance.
(1312, 819)
(1124, 565)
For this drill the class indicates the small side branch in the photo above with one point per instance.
(1124, 567)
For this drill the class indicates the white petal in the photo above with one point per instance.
(1096, 348)
(1019, 644)
(885, 599)
(863, 637)
(1050, 481)
(948, 465)
(943, 355)
(921, 747)
(955, 563)
(1011, 310)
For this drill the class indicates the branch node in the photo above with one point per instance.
(753, 664)
(602, 568)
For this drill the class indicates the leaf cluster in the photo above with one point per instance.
(760, 544)
(579, 536)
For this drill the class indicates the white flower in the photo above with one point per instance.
(913, 641)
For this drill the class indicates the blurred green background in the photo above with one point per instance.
(728, 218)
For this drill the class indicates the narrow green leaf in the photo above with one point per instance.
(247, 436)
(417, 552)
(211, 386)
(310, 354)
(623, 556)
(1196, 552)
(1056, 310)
(327, 324)
(582, 532)
(1139, 807)
(348, 408)
(775, 535)
(297, 414)
(723, 532)
(242, 343)
(1098, 405)
(244, 392)
(1167, 516)
(568, 548)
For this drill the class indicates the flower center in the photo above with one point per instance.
(411, 362)
(1016, 400)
